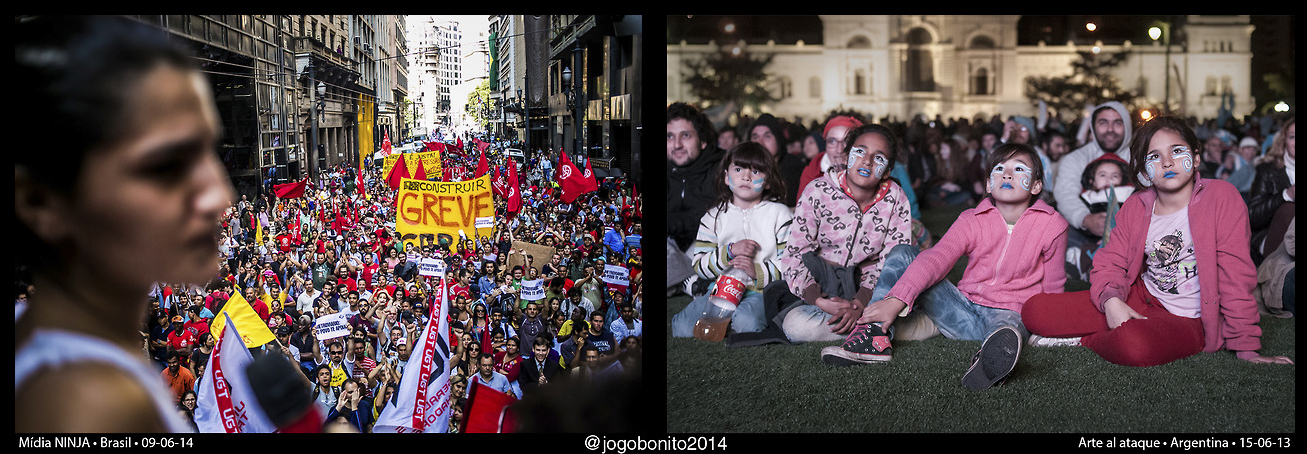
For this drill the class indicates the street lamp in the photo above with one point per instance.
(574, 101)
(1162, 31)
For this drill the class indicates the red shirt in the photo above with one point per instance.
(261, 309)
(368, 271)
(181, 341)
(350, 283)
(284, 242)
(194, 329)
(509, 368)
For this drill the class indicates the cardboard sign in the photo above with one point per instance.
(426, 211)
(540, 255)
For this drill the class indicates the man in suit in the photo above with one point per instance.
(538, 370)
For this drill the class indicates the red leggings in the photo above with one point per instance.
(1161, 338)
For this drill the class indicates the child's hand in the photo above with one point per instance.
(883, 311)
(744, 263)
(1119, 312)
(747, 248)
(844, 313)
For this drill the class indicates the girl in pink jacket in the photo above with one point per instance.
(1015, 244)
(1176, 277)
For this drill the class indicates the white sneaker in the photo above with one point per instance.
(1041, 341)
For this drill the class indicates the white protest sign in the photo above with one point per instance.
(533, 290)
(332, 326)
(431, 267)
(617, 275)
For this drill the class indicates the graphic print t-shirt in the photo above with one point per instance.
(1172, 267)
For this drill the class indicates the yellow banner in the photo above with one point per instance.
(254, 331)
(431, 164)
(427, 212)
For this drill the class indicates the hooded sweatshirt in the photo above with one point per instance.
(1067, 187)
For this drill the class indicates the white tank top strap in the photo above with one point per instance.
(54, 348)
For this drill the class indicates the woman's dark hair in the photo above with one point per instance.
(76, 74)
(892, 145)
(1144, 136)
(1009, 150)
(754, 156)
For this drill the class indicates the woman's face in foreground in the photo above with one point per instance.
(147, 207)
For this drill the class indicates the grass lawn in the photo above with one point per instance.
(1065, 390)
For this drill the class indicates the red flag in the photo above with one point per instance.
(397, 172)
(362, 189)
(482, 166)
(574, 181)
(434, 146)
(489, 411)
(514, 191)
(498, 185)
(385, 144)
(459, 143)
(421, 173)
(290, 190)
(635, 194)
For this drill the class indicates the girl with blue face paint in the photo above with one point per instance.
(1015, 181)
(1177, 278)
(746, 229)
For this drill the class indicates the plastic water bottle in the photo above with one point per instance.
(716, 317)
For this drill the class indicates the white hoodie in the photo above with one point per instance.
(1066, 188)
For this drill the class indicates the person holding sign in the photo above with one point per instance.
(132, 197)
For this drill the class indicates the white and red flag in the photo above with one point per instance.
(225, 401)
(424, 390)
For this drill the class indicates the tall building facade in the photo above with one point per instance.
(594, 77)
(436, 44)
(974, 67)
(297, 94)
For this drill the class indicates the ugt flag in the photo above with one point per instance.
(424, 391)
(225, 402)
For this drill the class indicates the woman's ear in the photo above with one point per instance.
(40, 208)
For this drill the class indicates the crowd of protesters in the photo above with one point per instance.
(335, 249)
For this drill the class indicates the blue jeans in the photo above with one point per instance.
(956, 316)
(749, 316)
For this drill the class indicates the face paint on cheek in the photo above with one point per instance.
(1025, 175)
(994, 177)
(1185, 157)
(881, 165)
(1150, 168)
(759, 184)
(855, 154)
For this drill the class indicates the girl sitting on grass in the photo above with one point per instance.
(1176, 278)
(746, 229)
(1015, 245)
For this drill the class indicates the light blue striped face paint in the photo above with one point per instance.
(881, 165)
(1185, 157)
(1024, 173)
(759, 184)
(855, 154)
(1021, 171)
